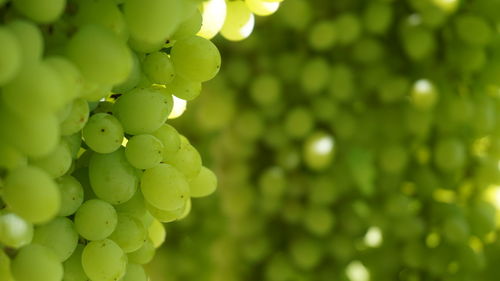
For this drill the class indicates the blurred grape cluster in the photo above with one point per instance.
(353, 140)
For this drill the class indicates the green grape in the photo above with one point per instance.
(184, 89)
(450, 154)
(342, 82)
(73, 269)
(239, 21)
(30, 40)
(5, 271)
(135, 272)
(318, 150)
(142, 111)
(104, 13)
(418, 42)
(15, 232)
(76, 119)
(100, 55)
(112, 178)
(394, 89)
(71, 77)
(166, 215)
(319, 220)
(323, 35)
(473, 30)
(38, 88)
(424, 94)
(377, 17)
(296, 14)
(261, 7)
(314, 76)
(152, 21)
(455, 229)
(10, 157)
(305, 252)
(71, 195)
(46, 12)
(144, 151)
(74, 142)
(32, 194)
(189, 27)
(11, 56)
(299, 122)
(94, 92)
(265, 89)
(157, 233)
(58, 235)
(203, 184)
(57, 162)
(129, 233)
(249, 125)
(367, 50)
(187, 160)
(36, 262)
(164, 187)
(104, 260)
(349, 28)
(95, 219)
(159, 68)
(133, 78)
(272, 182)
(393, 159)
(195, 59)
(103, 133)
(135, 207)
(144, 255)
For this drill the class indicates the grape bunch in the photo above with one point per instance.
(90, 166)
(355, 140)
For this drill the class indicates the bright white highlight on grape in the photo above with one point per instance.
(324, 145)
(415, 19)
(178, 109)
(356, 271)
(214, 15)
(13, 224)
(373, 237)
(247, 29)
(423, 86)
(446, 5)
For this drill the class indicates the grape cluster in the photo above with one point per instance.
(355, 140)
(89, 168)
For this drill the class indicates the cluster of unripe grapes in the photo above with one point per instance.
(355, 140)
(89, 166)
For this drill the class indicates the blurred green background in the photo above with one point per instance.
(353, 140)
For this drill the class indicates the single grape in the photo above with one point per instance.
(58, 235)
(239, 21)
(32, 194)
(165, 187)
(203, 184)
(112, 178)
(196, 59)
(15, 232)
(103, 133)
(184, 89)
(144, 151)
(157, 233)
(95, 219)
(144, 255)
(71, 195)
(135, 272)
(104, 260)
(36, 262)
(77, 118)
(30, 40)
(142, 111)
(159, 68)
(129, 233)
(100, 55)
